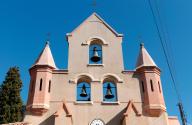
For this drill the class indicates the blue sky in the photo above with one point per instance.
(24, 25)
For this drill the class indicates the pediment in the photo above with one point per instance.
(94, 18)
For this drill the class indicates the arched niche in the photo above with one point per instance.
(95, 40)
(109, 76)
(110, 89)
(83, 91)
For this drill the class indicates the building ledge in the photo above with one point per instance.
(172, 117)
(110, 103)
(173, 120)
(155, 107)
(83, 103)
(38, 106)
(60, 71)
(96, 65)
(128, 71)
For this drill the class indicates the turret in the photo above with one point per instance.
(149, 75)
(40, 83)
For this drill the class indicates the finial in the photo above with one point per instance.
(94, 4)
(47, 42)
(48, 36)
(141, 41)
(141, 45)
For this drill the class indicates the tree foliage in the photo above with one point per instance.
(10, 99)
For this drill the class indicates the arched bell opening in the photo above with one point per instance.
(95, 52)
(109, 90)
(96, 39)
(84, 89)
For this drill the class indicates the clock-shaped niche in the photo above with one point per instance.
(97, 122)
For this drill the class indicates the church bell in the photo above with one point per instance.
(95, 57)
(83, 91)
(109, 94)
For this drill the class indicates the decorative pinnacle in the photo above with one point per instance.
(141, 45)
(48, 38)
(47, 42)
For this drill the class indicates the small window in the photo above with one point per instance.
(49, 89)
(143, 87)
(40, 87)
(159, 86)
(83, 91)
(95, 54)
(151, 82)
(109, 92)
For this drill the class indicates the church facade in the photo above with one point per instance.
(96, 89)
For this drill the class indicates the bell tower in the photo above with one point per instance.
(95, 45)
(149, 76)
(40, 83)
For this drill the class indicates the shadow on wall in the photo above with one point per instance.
(142, 90)
(117, 120)
(48, 121)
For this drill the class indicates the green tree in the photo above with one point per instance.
(11, 105)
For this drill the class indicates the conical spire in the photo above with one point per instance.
(144, 59)
(46, 58)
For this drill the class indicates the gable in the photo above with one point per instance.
(131, 107)
(94, 18)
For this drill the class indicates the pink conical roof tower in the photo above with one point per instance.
(144, 59)
(45, 58)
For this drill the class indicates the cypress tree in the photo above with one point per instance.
(10, 99)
